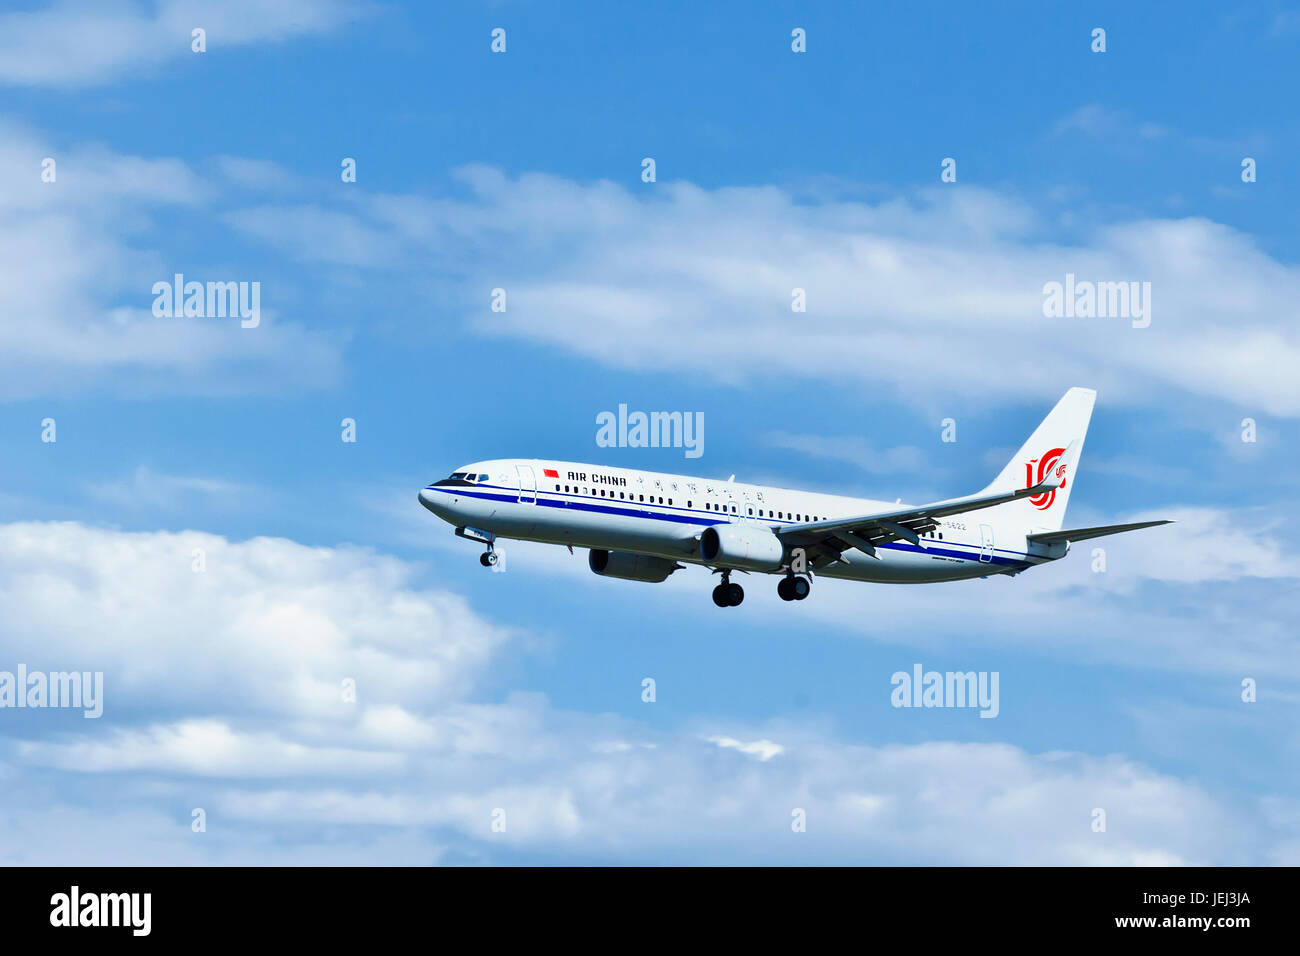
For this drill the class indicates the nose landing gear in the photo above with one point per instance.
(728, 594)
(489, 557)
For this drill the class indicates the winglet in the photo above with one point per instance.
(1063, 468)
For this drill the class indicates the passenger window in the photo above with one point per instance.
(670, 501)
(688, 504)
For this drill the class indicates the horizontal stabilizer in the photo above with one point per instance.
(1083, 534)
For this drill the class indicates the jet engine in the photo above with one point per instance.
(742, 546)
(631, 567)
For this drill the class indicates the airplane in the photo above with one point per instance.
(643, 525)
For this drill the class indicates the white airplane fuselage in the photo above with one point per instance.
(663, 515)
(644, 525)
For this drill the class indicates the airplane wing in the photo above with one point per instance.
(1083, 534)
(825, 541)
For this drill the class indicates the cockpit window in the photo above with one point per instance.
(482, 477)
(456, 478)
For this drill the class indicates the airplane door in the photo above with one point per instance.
(527, 484)
(986, 543)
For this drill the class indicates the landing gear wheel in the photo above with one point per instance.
(728, 595)
(783, 590)
(487, 558)
(800, 588)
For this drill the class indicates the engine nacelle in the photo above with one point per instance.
(631, 567)
(744, 546)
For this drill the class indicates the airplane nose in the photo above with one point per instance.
(426, 498)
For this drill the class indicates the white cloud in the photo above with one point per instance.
(256, 174)
(762, 749)
(221, 693)
(204, 748)
(270, 627)
(78, 267)
(680, 278)
(1094, 119)
(1206, 545)
(906, 459)
(76, 43)
(699, 282)
(146, 488)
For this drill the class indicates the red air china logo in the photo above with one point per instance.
(1046, 464)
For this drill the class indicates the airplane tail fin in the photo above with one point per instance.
(1050, 456)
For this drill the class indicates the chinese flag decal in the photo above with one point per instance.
(550, 473)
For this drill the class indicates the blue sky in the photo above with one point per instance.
(522, 170)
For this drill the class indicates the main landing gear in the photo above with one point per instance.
(793, 588)
(728, 594)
